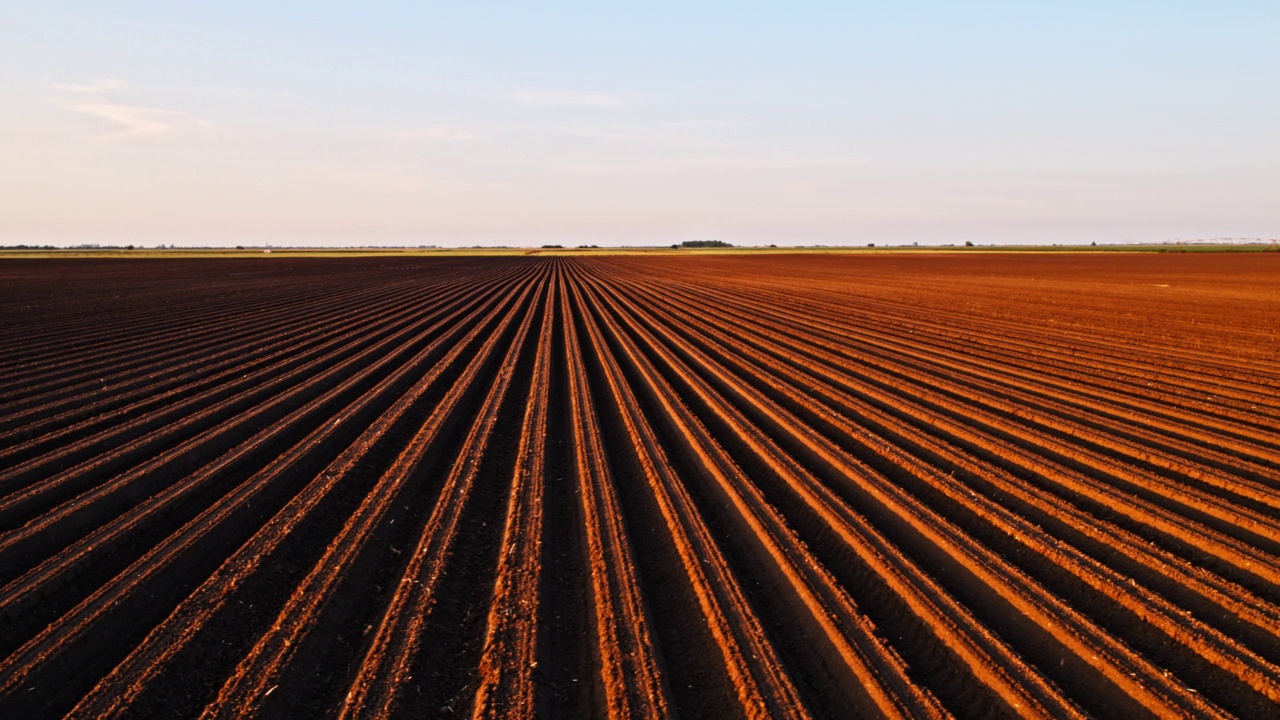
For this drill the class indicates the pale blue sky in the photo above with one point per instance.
(484, 123)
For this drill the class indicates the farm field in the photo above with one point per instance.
(721, 485)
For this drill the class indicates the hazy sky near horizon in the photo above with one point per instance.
(492, 123)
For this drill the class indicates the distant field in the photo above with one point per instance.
(153, 253)
(713, 484)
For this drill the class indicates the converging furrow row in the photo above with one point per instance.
(634, 486)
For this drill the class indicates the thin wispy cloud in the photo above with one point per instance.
(607, 135)
(97, 98)
(655, 159)
(100, 86)
(568, 99)
(702, 124)
(690, 145)
(439, 133)
(131, 121)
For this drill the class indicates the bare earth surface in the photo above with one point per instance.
(709, 486)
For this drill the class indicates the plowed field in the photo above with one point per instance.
(645, 486)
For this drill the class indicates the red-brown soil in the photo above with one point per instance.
(710, 486)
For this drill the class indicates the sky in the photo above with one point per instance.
(651, 123)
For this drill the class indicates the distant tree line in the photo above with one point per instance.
(702, 244)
